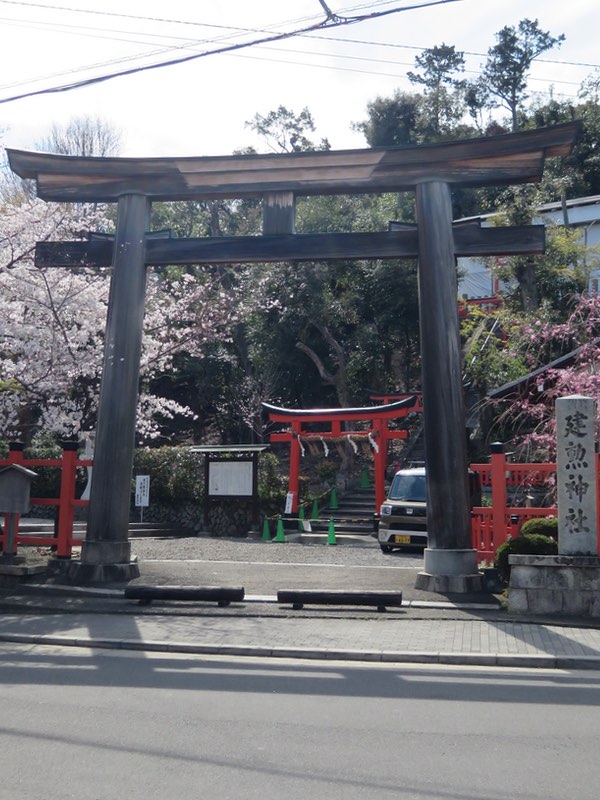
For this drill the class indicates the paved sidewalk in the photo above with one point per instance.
(427, 628)
(448, 641)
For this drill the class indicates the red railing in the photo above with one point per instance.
(492, 526)
(62, 538)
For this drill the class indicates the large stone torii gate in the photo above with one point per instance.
(430, 170)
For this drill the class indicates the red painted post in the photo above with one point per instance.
(15, 453)
(498, 462)
(67, 496)
(294, 481)
(379, 461)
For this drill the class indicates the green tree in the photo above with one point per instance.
(509, 60)
(392, 120)
(443, 102)
(284, 131)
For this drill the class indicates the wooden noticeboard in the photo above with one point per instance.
(231, 478)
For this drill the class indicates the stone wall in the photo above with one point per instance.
(226, 517)
(568, 585)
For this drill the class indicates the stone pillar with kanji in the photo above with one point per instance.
(576, 476)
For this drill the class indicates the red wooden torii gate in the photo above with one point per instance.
(301, 426)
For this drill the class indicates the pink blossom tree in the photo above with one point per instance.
(52, 324)
(572, 351)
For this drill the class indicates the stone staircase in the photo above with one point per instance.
(352, 517)
(137, 530)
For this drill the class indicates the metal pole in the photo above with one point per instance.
(448, 513)
(106, 540)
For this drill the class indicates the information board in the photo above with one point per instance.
(142, 490)
(230, 478)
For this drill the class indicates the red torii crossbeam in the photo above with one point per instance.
(300, 420)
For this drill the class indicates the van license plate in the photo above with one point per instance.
(401, 538)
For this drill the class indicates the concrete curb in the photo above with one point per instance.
(318, 654)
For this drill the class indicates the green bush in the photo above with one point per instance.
(272, 486)
(545, 526)
(528, 544)
(176, 474)
(47, 482)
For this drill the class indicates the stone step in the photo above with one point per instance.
(136, 529)
(344, 524)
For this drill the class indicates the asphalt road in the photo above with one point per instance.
(96, 725)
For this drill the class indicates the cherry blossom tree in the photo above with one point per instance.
(574, 348)
(52, 323)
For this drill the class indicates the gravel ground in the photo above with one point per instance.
(365, 552)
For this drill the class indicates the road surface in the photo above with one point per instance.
(101, 725)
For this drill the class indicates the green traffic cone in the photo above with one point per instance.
(266, 534)
(331, 532)
(333, 499)
(315, 510)
(364, 480)
(301, 518)
(280, 533)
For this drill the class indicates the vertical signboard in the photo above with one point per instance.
(576, 475)
(142, 493)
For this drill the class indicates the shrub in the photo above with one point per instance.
(176, 474)
(545, 526)
(47, 482)
(528, 544)
(272, 486)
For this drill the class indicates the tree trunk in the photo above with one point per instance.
(525, 275)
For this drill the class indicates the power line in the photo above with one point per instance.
(242, 30)
(190, 44)
(322, 25)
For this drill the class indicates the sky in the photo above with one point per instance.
(201, 107)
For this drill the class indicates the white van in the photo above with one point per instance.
(403, 516)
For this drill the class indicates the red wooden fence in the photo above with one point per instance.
(492, 526)
(62, 539)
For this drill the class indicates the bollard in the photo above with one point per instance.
(301, 518)
(333, 503)
(280, 533)
(331, 532)
(315, 510)
(364, 479)
(266, 533)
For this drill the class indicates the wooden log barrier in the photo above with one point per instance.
(222, 595)
(297, 598)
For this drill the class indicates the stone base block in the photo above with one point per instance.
(555, 585)
(8, 559)
(447, 571)
(14, 574)
(78, 573)
(448, 584)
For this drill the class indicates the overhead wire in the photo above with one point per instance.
(325, 24)
(232, 32)
(264, 29)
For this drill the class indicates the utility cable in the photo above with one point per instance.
(322, 25)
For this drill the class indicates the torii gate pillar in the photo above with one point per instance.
(106, 551)
(450, 561)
